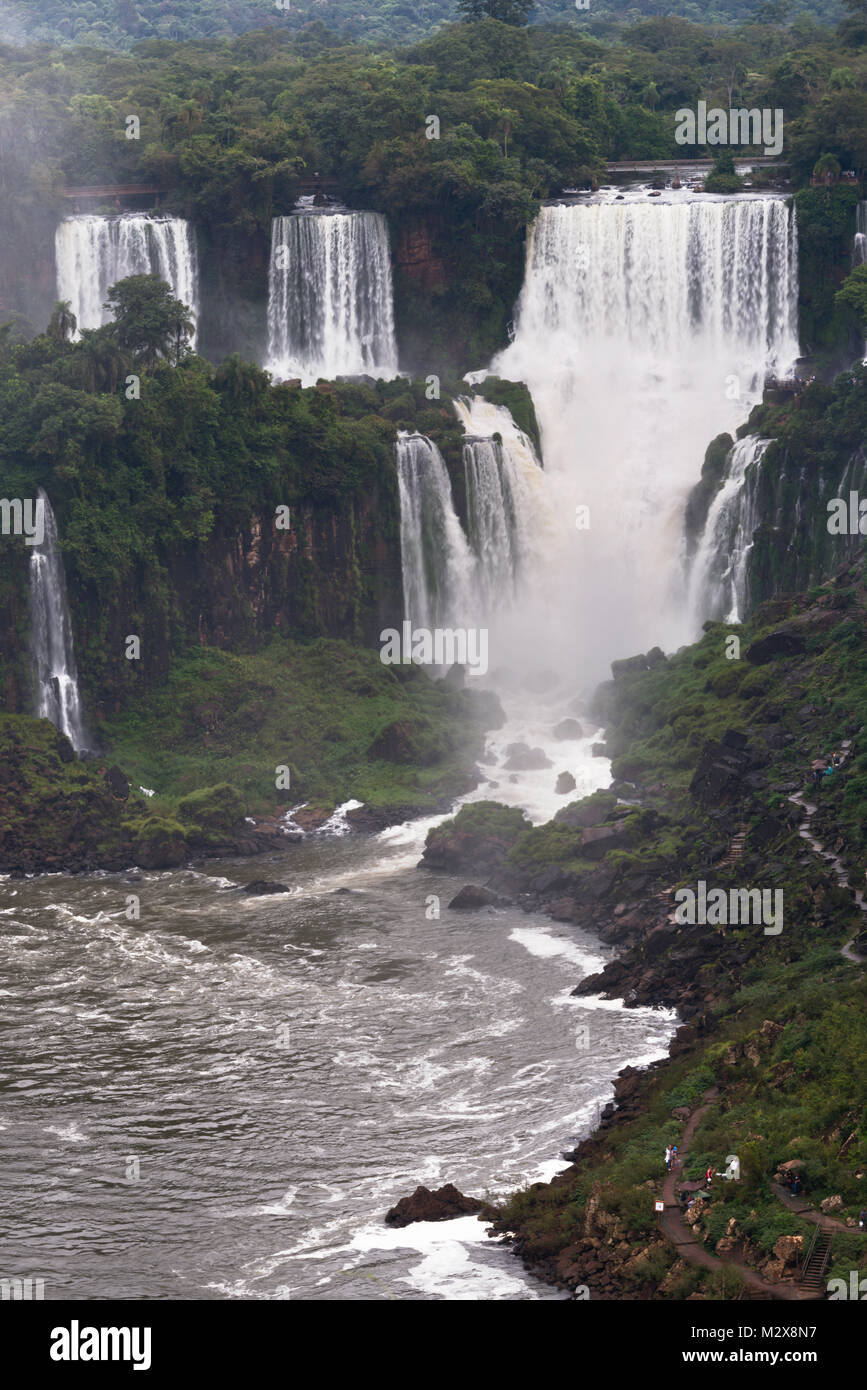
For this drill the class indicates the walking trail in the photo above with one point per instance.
(806, 833)
(675, 1228)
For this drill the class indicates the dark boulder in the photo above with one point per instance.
(568, 728)
(589, 811)
(443, 1205)
(565, 784)
(783, 642)
(472, 897)
(522, 758)
(118, 784)
(259, 887)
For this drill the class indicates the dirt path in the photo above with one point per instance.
(805, 830)
(807, 1213)
(681, 1235)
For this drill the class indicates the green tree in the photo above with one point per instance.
(853, 294)
(63, 322)
(148, 321)
(506, 11)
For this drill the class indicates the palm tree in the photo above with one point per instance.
(63, 323)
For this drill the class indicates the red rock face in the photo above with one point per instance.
(417, 259)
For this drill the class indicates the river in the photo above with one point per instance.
(222, 1099)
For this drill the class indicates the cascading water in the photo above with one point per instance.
(509, 517)
(93, 253)
(457, 578)
(330, 310)
(643, 329)
(859, 249)
(440, 579)
(55, 676)
(718, 578)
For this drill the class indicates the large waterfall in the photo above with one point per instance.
(718, 577)
(93, 253)
(55, 677)
(330, 310)
(643, 330)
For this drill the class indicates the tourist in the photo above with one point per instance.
(668, 1157)
(708, 1177)
(862, 1218)
(674, 1155)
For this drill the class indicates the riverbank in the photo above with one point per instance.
(706, 753)
(209, 764)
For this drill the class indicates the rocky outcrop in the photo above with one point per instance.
(520, 757)
(424, 1205)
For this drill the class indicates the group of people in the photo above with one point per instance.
(671, 1159)
(827, 768)
(794, 1182)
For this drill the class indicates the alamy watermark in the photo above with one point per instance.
(440, 646)
(847, 518)
(23, 518)
(22, 1288)
(734, 127)
(737, 907)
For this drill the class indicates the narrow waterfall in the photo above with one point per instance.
(643, 330)
(440, 576)
(93, 253)
(330, 309)
(859, 248)
(55, 677)
(718, 579)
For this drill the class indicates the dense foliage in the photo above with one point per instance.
(121, 23)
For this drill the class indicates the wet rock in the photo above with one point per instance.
(520, 757)
(599, 750)
(590, 811)
(568, 728)
(118, 784)
(260, 887)
(424, 1205)
(783, 642)
(565, 784)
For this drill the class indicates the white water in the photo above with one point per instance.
(643, 330)
(859, 250)
(718, 578)
(330, 309)
(55, 676)
(439, 568)
(92, 253)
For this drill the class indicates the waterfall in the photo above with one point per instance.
(454, 578)
(330, 310)
(718, 580)
(440, 577)
(509, 517)
(55, 675)
(643, 329)
(859, 248)
(93, 253)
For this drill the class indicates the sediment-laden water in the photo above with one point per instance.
(223, 1098)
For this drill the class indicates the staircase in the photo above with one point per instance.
(735, 849)
(816, 1261)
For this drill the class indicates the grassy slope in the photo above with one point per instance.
(798, 1090)
(345, 724)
